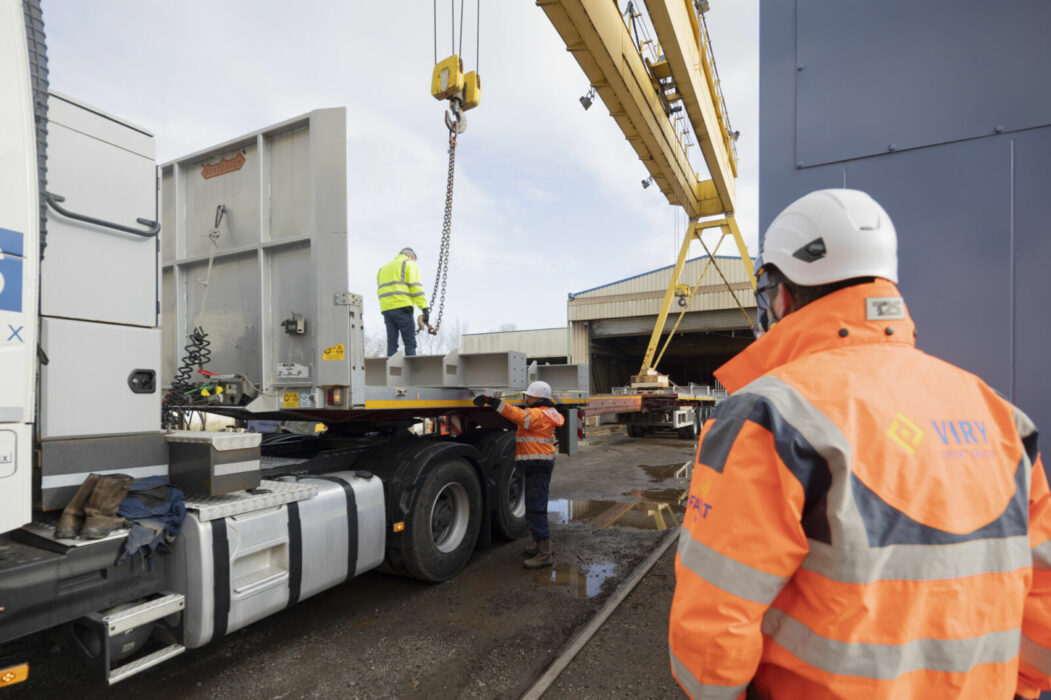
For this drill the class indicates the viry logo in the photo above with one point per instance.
(961, 432)
(906, 433)
(965, 439)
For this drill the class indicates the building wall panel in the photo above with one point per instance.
(972, 215)
(543, 342)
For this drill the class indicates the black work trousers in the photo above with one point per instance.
(537, 473)
(400, 321)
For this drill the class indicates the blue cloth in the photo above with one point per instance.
(538, 481)
(155, 511)
(400, 321)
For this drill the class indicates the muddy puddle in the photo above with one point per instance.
(583, 580)
(665, 472)
(639, 514)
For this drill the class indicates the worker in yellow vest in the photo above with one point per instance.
(399, 289)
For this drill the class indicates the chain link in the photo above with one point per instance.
(443, 255)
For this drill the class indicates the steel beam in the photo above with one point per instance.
(595, 33)
(680, 38)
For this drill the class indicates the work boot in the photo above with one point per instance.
(543, 556)
(530, 549)
(101, 510)
(72, 518)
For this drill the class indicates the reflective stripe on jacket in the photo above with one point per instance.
(864, 521)
(535, 438)
(398, 284)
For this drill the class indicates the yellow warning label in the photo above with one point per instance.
(291, 399)
(333, 353)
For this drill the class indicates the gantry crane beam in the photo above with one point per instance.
(595, 33)
(681, 40)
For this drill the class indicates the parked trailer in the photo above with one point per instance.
(681, 410)
(234, 260)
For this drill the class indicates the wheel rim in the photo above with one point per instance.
(516, 493)
(450, 514)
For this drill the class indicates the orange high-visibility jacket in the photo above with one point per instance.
(864, 521)
(535, 437)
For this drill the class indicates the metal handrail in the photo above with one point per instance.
(154, 227)
(708, 56)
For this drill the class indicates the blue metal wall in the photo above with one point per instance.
(941, 110)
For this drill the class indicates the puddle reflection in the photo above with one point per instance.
(664, 472)
(637, 514)
(583, 580)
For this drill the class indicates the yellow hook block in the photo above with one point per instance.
(447, 79)
(472, 90)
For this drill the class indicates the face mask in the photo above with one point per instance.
(764, 314)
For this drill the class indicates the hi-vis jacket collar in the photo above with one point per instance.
(861, 315)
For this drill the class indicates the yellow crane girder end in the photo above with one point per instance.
(711, 203)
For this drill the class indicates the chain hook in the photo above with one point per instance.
(441, 274)
(454, 117)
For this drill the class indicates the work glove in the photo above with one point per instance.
(483, 400)
(426, 315)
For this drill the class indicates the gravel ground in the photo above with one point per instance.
(637, 630)
(487, 633)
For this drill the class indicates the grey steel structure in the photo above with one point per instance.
(941, 110)
(277, 252)
(254, 250)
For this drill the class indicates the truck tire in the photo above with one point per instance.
(446, 518)
(510, 509)
(497, 448)
(635, 431)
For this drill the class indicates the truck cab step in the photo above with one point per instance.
(139, 665)
(143, 613)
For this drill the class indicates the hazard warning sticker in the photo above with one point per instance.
(336, 352)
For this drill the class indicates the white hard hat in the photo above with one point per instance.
(831, 235)
(539, 390)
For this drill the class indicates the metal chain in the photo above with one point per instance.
(443, 255)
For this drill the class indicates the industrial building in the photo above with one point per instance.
(610, 326)
(956, 150)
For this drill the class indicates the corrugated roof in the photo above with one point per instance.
(520, 330)
(651, 272)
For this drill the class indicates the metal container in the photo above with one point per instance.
(213, 464)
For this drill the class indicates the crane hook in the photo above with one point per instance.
(454, 116)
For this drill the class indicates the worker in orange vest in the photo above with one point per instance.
(864, 520)
(535, 456)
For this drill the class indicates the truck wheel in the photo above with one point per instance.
(497, 448)
(510, 499)
(634, 431)
(445, 522)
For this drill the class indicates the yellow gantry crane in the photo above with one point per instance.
(642, 95)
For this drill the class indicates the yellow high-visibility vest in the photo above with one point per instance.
(398, 284)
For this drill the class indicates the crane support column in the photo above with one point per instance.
(648, 374)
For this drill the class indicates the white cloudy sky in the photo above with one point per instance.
(548, 196)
